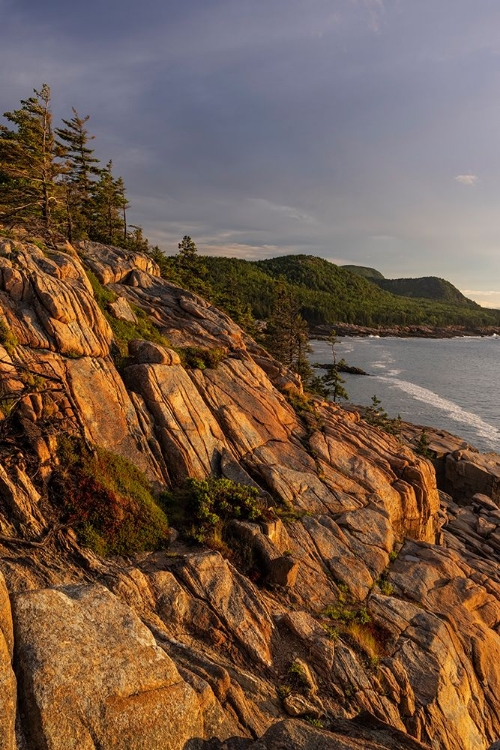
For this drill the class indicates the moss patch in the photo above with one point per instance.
(7, 338)
(107, 500)
(123, 330)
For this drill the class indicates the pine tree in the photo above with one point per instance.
(287, 332)
(108, 205)
(81, 169)
(187, 257)
(190, 268)
(334, 384)
(30, 165)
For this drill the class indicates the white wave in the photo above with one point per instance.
(452, 410)
(393, 373)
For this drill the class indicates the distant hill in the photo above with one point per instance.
(430, 287)
(365, 272)
(426, 287)
(331, 294)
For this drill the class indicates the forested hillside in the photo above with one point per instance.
(427, 287)
(329, 294)
(430, 287)
(365, 271)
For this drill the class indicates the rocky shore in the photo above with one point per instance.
(400, 331)
(362, 612)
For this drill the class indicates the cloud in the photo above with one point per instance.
(288, 211)
(467, 179)
(375, 9)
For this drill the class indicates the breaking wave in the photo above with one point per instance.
(452, 410)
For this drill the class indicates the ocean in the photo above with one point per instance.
(450, 384)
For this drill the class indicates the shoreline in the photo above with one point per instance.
(400, 331)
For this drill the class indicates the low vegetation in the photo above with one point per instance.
(351, 621)
(123, 330)
(7, 337)
(201, 507)
(376, 415)
(200, 358)
(107, 501)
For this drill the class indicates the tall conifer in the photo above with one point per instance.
(81, 169)
(30, 165)
(108, 205)
(287, 331)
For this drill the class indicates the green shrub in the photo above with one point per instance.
(107, 500)
(422, 445)
(378, 417)
(125, 331)
(346, 613)
(297, 674)
(199, 358)
(202, 506)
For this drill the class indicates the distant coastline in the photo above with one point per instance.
(400, 331)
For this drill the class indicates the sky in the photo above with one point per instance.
(363, 131)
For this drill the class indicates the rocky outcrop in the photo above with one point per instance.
(469, 472)
(122, 692)
(365, 593)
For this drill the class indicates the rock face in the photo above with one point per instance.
(368, 602)
(122, 692)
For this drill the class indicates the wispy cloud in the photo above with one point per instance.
(376, 11)
(288, 211)
(467, 179)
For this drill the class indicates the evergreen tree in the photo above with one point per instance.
(108, 207)
(334, 384)
(81, 171)
(136, 240)
(190, 268)
(187, 256)
(287, 331)
(30, 165)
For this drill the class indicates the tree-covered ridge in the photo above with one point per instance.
(330, 294)
(429, 287)
(365, 271)
(426, 287)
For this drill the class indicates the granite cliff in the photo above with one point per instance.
(367, 602)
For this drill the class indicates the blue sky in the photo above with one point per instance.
(363, 131)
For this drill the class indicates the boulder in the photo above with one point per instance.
(91, 675)
(121, 310)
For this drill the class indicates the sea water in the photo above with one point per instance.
(450, 384)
